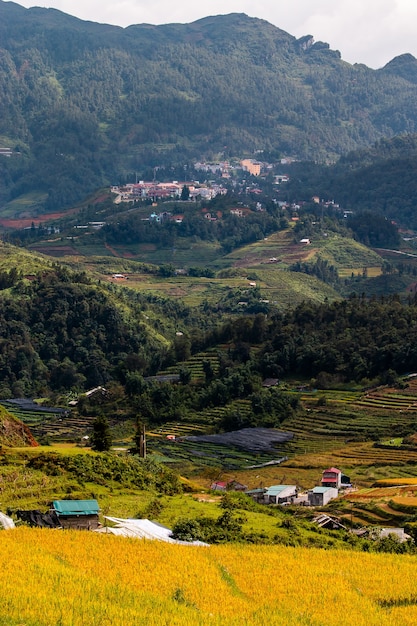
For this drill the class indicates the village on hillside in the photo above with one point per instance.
(85, 514)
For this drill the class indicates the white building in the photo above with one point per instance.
(320, 496)
(278, 494)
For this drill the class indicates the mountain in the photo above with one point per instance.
(86, 104)
(404, 65)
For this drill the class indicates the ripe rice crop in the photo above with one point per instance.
(396, 482)
(71, 578)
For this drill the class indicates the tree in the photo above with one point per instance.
(101, 437)
(185, 193)
(208, 370)
(185, 375)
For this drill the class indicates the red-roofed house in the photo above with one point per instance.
(331, 477)
(219, 486)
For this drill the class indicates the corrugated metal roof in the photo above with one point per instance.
(275, 490)
(76, 507)
(323, 489)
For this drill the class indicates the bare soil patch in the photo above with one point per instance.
(24, 222)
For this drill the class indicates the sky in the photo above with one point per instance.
(364, 31)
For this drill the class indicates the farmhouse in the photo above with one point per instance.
(218, 486)
(231, 485)
(331, 477)
(320, 496)
(78, 514)
(278, 494)
(270, 382)
(96, 391)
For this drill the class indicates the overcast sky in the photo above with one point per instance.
(365, 31)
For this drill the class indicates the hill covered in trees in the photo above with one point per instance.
(62, 330)
(381, 178)
(84, 104)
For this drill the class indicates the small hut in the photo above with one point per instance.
(77, 514)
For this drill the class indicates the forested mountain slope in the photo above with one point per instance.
(61, 329)
(381, 178)
(83, 104)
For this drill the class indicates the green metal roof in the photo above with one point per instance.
(275, 490)
(321, 489)
(76, 507)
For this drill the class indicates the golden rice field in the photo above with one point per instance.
(386, 482)
(54, 578)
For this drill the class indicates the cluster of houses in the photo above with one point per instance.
(84, 514)
(332, 481)
(154, 191)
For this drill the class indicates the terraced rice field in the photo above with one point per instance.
(195, 366)
(341, 433)
(333, 418)
(50, 423)
(383, 506)
(74, 579)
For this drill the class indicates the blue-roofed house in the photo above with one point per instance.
(278, 494)
(78, 514)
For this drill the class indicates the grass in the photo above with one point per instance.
(26, 205)
(347, 253)
(26, 262)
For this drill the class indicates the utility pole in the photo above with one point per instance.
(142, 443)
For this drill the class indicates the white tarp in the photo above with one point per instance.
(143, 529)
(6, 522)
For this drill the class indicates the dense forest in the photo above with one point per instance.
(379, 179)
(62, 332)
(351, 340)
(83, 104)
(231, 231)
(355, 341)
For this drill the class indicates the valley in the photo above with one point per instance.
(208, 289)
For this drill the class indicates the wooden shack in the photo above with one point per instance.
(77, 514)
